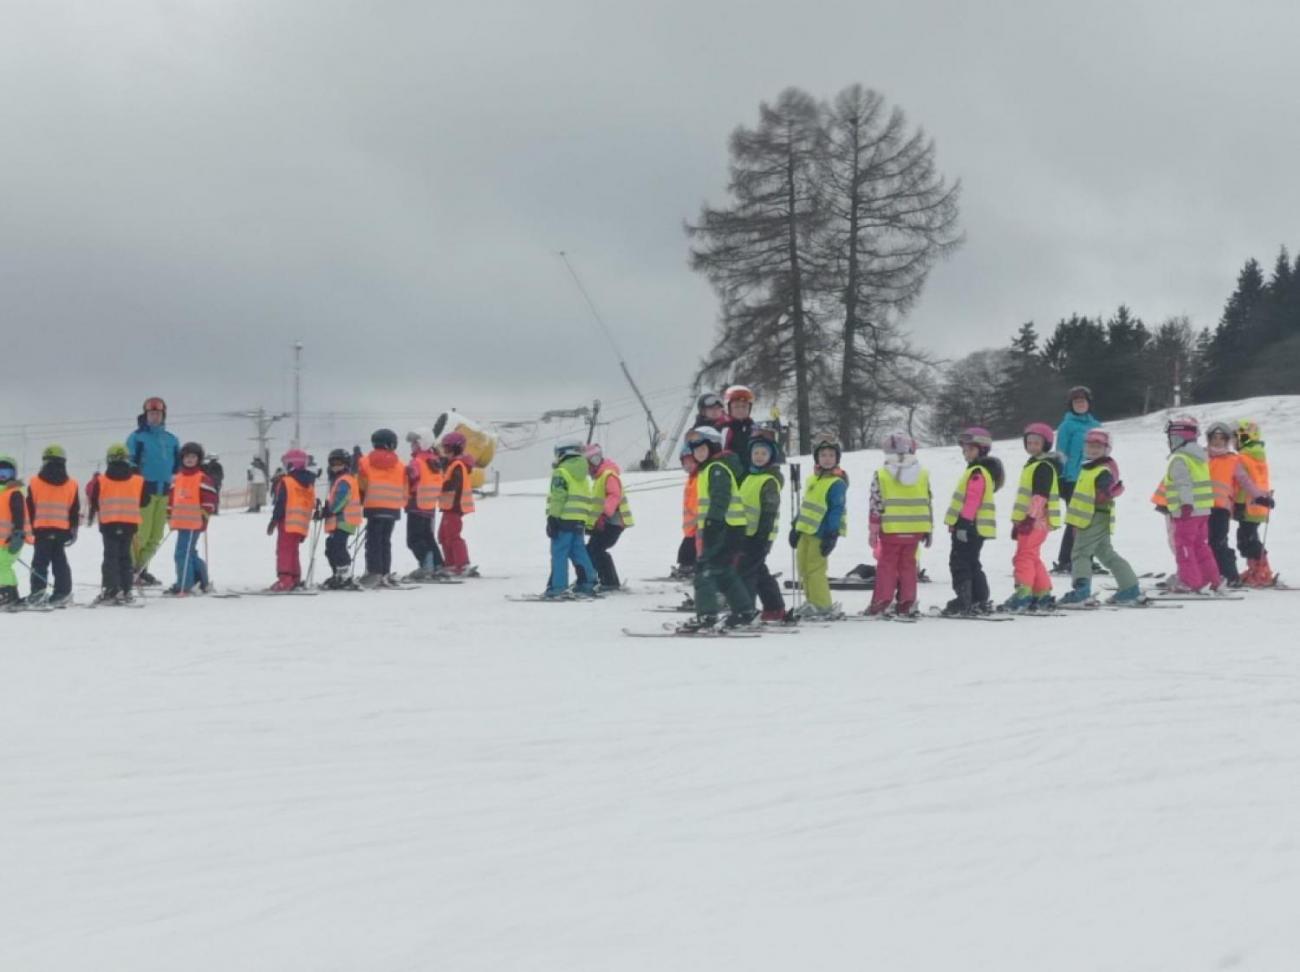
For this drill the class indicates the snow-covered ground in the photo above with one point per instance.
(442, 779)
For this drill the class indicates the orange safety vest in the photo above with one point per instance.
(119, 499)
(6, 524)
(351, 509)
(52, 504)
(690, 506)
(187, 502)
(1222, 475)
(428, 488)
(448, 497)
(385, 488)
(299, 501)
(1258, 472)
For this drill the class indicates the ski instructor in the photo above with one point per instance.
(155, 453)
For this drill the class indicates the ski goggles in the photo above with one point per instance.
(155, 405)
(7, 473)
(711, 401)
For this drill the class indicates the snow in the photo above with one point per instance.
(441, 779)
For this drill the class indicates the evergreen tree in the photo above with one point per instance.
(758, 254)
(969, 394)
(890, 216)
(1122, 380)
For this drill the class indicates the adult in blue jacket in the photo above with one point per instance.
(1069, 443)
(155, 453)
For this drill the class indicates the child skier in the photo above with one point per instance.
(424, 492)
(711, 412)
(1188, 494)
(1251, 509)
(54, 508)
(1230, 477)
(1069, 443)
(1091, 512)
(738, 421)
(117, 497)
(821, 521)
(381, 477)
(761, 493)
(685, 567)
(608, 517)
(190, 502)
(13, 530)
(568, 505)
(719, 533)
(291, 516)
(1037, 512)
(971, 519)
(901, 519)
(456, 502)
(342, 516)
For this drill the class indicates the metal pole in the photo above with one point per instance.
(297, 395)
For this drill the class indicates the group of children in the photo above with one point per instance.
(46, 514)
(586, 513)
(731, 505)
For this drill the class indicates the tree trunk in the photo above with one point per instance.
(850, 305)
(802, 397)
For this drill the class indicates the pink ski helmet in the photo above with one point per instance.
(977, 436)
(1043, 431)
(294, 459)
(1098, 437)
(1183, 428)
(897, 444)
(453, 441)
(594, 454)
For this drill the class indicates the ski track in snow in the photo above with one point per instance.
(440, 779)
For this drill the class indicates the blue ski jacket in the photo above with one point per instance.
(156, 453)
(1069, 441)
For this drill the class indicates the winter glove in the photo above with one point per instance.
(1162, 510)
(90, 518)
(72, 538)
(794, 538)
(963, 530)
(552, 527)
(828, 544)
(1266, 502)
(929, 538)
(16, 543)
(1117, 489)
(270, 528)
(319, 512)
(600, 524)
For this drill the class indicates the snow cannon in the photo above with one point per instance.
(480, 444)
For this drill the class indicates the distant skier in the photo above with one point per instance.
(1069, 443)
(342, 516)
(568, 505)
(116, 496)
(291, 516)
(455, 502)
(1091, 512)
(54, 510)
(155, 452)
(190, 502)
(609, 515)
(901, 519)
(1252, 510)
(1035, 513)
(821, 521)
(972, 519)
(381, 476)
(424, 492)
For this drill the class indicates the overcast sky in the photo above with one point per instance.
(186, 188)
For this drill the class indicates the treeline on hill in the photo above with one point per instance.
(1132, 368)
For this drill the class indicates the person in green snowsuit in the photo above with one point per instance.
(720, 533)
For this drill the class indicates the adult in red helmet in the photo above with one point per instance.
(455, 502)
(739, 401)
(155, 453)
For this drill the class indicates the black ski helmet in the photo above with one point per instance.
(340, 455)
(192, 449)
(384, 439)
(1078, 391)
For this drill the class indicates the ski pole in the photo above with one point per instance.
(356, 546)
(311, 551)
(190, 543)
(795, 503)
(207, 561)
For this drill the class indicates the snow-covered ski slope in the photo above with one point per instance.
(440, 779)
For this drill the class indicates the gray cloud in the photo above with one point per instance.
(188, 188)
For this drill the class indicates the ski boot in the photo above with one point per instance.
(145, 579)
(1081, 593)
(908, 609)
(1060, 567)
(283, 585)
(105, 596)
(957, 608)
(741, 619)
(1017, 603)
(1262, 574)
(9, 598)
(701, 622)
(1129, 595)
(1043, 603)
(59, 600)
(875, 609)
(37, 599)
(123, 599)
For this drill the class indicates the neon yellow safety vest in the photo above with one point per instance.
(751, 494)
(986, 520)
(1083, 504)
(622, 516)
(1025, 494)
(814, 507)
(907, 508)
(575, 503)
(735, 505)
(1202, 497)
